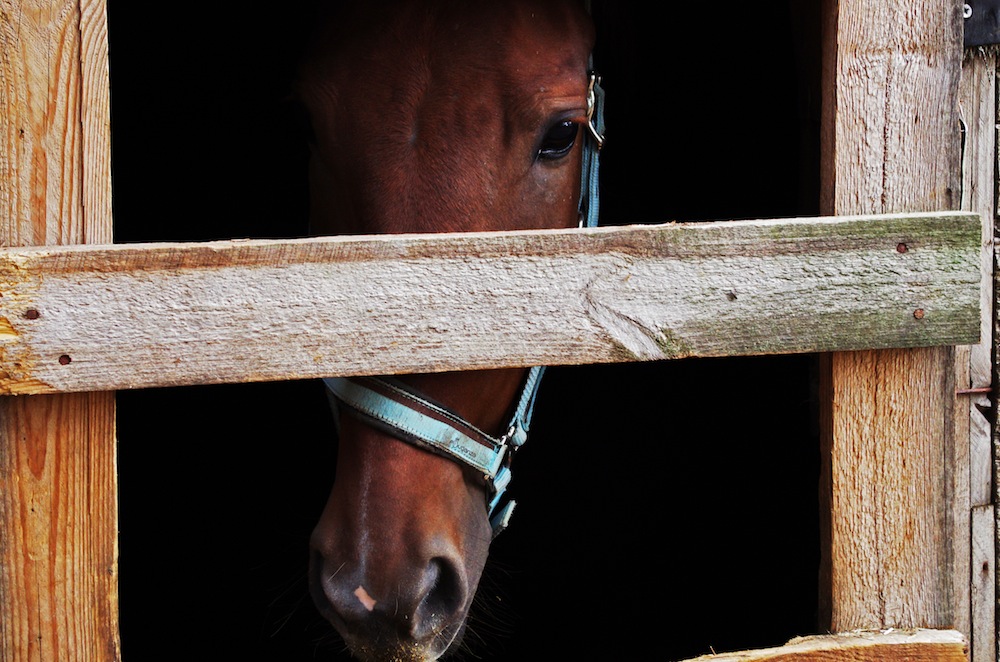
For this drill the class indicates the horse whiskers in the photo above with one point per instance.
(337, 571)
(489, 619)
(326, 642)
(330, 642)
(289, 600)
(292, 586)
(282, 622)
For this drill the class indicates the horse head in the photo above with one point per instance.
(432, 116)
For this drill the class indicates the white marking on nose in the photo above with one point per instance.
(362, 595)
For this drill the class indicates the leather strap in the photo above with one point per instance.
(403, 412)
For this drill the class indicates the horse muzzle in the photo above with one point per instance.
(398, 551)
(416, 623)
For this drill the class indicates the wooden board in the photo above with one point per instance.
(58, 498)
(115, 317)
(875, 646)
(974, 365)
(896, 557)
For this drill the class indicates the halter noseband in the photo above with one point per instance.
(410, 416)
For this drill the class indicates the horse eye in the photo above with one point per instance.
(558, 141)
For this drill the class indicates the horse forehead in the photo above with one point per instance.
(523, 36)
(509, 20)
(428, 109)
(519, 41)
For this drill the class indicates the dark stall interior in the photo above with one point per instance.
(666, 509)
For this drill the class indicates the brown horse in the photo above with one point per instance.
(432, 116)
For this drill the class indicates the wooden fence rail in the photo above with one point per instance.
(108, 317)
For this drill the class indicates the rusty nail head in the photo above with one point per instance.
(65, 359)
(32, 314)
(901, 247)
(919, 313)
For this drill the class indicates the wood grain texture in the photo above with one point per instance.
(892, 531)
(896, 556)
(84, 318)
(974, 364)
(58, 528)
(58, 501)
(876, 646)
(983, 590)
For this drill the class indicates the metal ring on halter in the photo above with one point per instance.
(593, 90)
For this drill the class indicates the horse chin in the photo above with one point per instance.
(396, 651)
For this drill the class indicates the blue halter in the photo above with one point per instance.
(391, 405)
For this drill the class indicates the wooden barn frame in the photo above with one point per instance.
(907, 332)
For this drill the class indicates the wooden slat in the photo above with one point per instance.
(896, 557)
(876, 646)
(118, 317)
(974, 366)
(58, 524)
(983, 589)
(58, 501)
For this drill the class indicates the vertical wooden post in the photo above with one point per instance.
(974, 367)
(891, 143)
(58, 498)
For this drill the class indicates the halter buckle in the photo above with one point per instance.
(592, 86)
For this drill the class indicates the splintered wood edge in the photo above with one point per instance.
(919, 645)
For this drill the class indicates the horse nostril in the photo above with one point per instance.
(444, 599)
(433, 611)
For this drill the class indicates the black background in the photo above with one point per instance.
(665, 509)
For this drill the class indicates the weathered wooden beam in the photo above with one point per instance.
(58, 482)
(875, 646)
(124, 316)
(894, 555)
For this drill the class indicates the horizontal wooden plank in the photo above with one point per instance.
(124, 316)
(876, 646)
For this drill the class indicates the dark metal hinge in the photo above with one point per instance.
(982, 22)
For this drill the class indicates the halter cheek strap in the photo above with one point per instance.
(390, 405)
(394, 407)
(590, 185)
